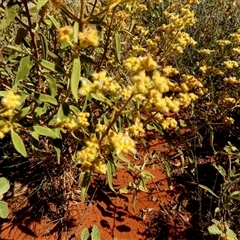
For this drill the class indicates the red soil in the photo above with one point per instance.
(111, 212)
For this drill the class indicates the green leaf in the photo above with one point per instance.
(85, 184)
(221, 170)
(118, 46)
(44, 44)
(75, 77)
(18, 143)
(3, 209)
(110, 174)
(57, 144)
(74, 109)
(230, 233)
(63, 111)
(124, 190)
(24, 68)
(99, 97)
(95, 233)
(85, 234)
(120, 155)
(182, 123)
(45, 98)
(34, 141)
(44, 131)
(21, 114)
(87, 59)
(135, 192)
(213, 229)
(4, 185)
(41, 3)
(10, 14)
(211, 140)
(52, 85)
(51, 66)
(75, 32)
(54, 21)
(207, 189)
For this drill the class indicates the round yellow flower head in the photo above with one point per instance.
(147, 63)
(88, 37)
(122, 142)
(11, 101)
(64, 34)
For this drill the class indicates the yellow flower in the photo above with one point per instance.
(230, 64)
(147, 63)
(82, 118)
(228, 120)
(11, 101)
(88, 37)
(223, 43)
(64, 34)
(122, 143)
(132, 64)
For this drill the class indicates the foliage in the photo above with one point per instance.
(4, 187)
(95, 235)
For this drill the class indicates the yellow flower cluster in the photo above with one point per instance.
(137, 128)
(122, 142)
(232, 80)
(179, 16)
(70, 124)
(150, 91)
(82, 118)
(230, 64)
(88, 37)
(100, 128)
(11, 101)
(135, 64)
(101, 84)
(169, 123)
(191, 81)
(228, 120)
(64, 34)
(208, 70)
(236, 51)
(208, 52)
(4, 129)
(229, 101)
(166, 123)
(236, 37)
(89, 157)
(186, 98)
(223, 43)
(169, 71)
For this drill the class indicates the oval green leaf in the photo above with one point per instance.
(85, 234)
(4, 185)
(45, 98)
(95, 233)
(51, 66)
(3, 209)
(44, 131)
(75, 77)
(18, 143)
